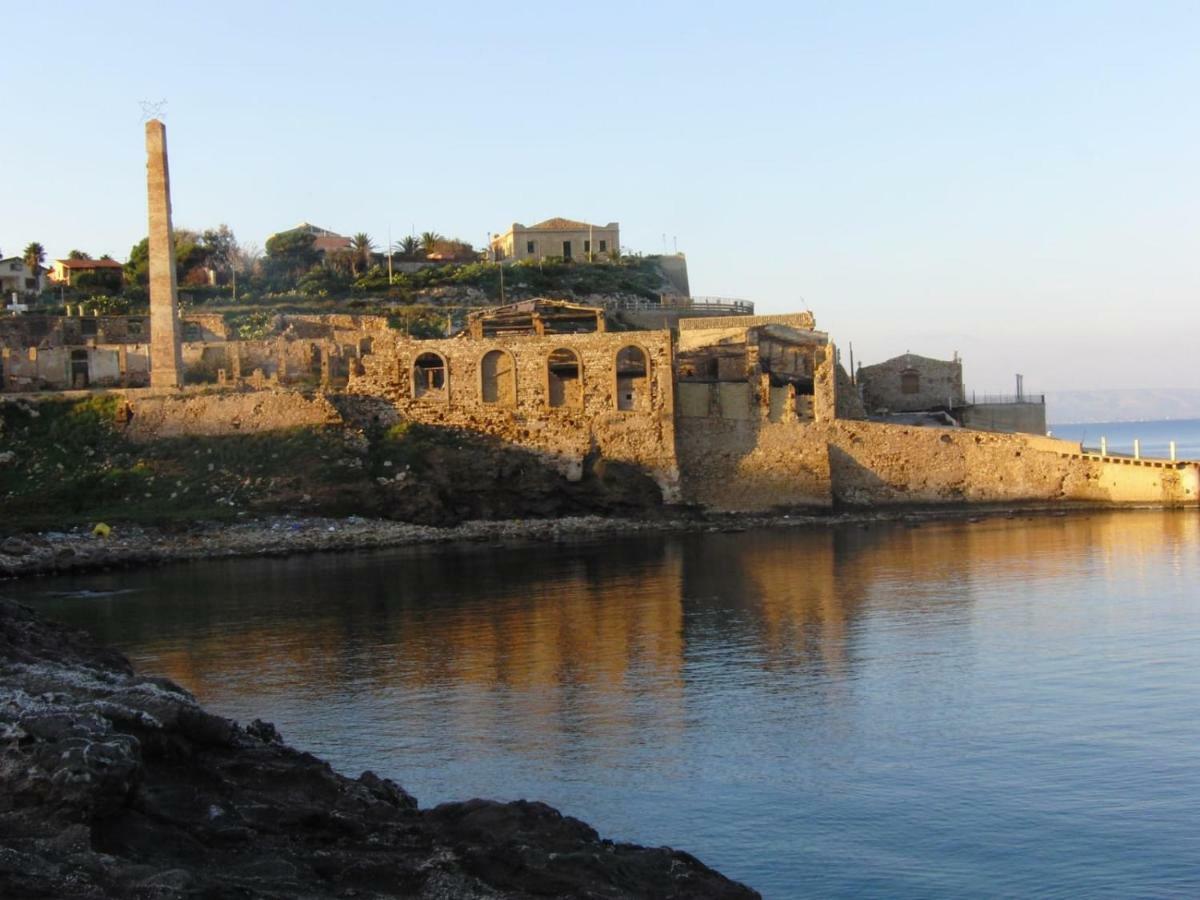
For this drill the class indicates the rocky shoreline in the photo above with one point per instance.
(119, 785)
(127, 546)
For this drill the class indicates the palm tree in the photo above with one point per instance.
(362, 246)
(409, 246)
(430, 240)
(35, 255)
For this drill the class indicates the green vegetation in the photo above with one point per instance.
(215, 271)
(72, 463)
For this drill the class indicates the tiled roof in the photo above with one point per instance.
(560, 224)
(326, 242)
(89, 264)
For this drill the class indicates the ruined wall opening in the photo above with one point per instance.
(564, 384)
(498, 378)
(633, 384)
(429, 376)
(79, 368)
(910, 382)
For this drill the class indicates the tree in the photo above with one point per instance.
(362, 247)
(429, 240)
(291, 253)
(78, 254)
(34, 256)
(245, 260)
(220, 251)
(219, 246)
(409, 246)
(101, 282)
(189, 253)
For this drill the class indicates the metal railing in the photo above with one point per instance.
(1008, 398)
(721, 305)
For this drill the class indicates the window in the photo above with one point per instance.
(587, 246)
(529, 247)
(910, 382)
(498, 378)
(604, 246)
(87, 327)
(632, 383)
(566, 249)
(564, 386)
(429, 376)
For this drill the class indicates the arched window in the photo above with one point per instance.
(633, 383)
(498, 378)
(429, 376)
(910, 382)
(563, 381)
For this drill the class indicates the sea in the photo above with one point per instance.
(1007, 707)
(1154, 436)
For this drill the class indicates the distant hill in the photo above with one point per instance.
(1132, 405)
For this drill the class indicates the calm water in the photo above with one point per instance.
(1004, 708)
(1155, 436)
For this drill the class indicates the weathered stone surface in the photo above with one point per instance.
(115, 785)
(166, 362)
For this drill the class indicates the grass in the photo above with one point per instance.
(73, 465)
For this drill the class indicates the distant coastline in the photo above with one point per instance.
(1125, 405)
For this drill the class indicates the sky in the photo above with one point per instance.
(1018, 182)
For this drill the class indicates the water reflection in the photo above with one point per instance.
(900, 709)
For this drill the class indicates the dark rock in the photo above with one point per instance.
(115, 785)
(12, 546)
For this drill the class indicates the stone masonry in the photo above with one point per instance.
(166, 362)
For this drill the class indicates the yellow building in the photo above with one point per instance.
(64, 271)
(559, 237)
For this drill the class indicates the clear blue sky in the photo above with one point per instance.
(1015, 181)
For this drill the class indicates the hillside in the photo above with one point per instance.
(1129, 405)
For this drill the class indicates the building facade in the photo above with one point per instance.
(324, 240)
(64, 271)
(558, 237)
(16, 277)
(912, 383)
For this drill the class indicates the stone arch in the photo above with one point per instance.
(430, 376)
(564, 378)
(633, 378)
(498, 378)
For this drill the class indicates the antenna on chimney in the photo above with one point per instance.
(152, 109)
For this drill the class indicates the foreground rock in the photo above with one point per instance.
(118, 785)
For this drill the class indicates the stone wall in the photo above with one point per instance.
(874, 464)
(756, 464)
(911, 383)
(227, 412)
(753, 465)
(503, 387)
(1029, 418)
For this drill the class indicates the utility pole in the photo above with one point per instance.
(390, 249)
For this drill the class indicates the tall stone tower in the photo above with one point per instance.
(166, 359)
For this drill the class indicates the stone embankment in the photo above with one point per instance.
(130, 545)
(119, 785)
